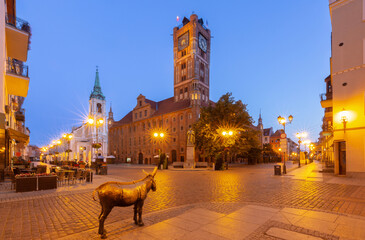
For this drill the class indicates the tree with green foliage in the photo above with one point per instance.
(269, 155)
(225, 128)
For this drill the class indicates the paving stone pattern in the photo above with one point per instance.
(56, 216)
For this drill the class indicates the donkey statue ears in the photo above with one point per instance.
(152, 174)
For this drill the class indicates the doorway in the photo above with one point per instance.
(342, 158)
(140, 158)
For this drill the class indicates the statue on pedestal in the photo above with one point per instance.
(191, 138)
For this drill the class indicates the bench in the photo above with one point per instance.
(201, 165)
(178, 164)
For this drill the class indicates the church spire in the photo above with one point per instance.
(97, 93)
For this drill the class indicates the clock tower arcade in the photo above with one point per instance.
(191, 61)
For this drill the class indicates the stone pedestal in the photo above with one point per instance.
(190, 157)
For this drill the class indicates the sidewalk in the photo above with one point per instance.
(248, 222)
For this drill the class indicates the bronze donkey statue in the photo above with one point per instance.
(123, 194)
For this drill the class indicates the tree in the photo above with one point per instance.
(269, 154)
(225, 128)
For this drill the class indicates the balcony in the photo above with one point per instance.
(328, 112)
(17, 35)
(20, 116)
(326, 100)
(16, 78)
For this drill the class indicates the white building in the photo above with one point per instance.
(92, 132)
(348, 85)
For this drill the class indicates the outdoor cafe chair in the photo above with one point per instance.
(78, 176)
(70, 177)
(60, 177)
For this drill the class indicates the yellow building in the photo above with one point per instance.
(348, 85)
(14, 82)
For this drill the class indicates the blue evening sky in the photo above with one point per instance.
(273, 55)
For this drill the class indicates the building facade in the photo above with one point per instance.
(132, 139)
(14, 82)
(348, 85)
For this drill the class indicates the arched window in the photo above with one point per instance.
(98, 107)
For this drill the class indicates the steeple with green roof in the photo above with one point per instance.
(96, 93)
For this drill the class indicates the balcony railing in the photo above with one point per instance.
(326, 96)
(16, 67)
(18, 23)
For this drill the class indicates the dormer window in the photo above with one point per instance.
(140, 103)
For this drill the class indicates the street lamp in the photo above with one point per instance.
(283, 121)
(97, 123)
(300, 136)
(68, 138)
(306, 143)
(159, 136)
(228, 134)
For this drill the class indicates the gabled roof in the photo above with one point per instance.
(162, 107)
(267, 131)
(278, 133)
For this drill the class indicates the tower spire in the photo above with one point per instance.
(97, 93)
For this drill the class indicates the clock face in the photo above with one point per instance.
(202, 43)
(183, 41)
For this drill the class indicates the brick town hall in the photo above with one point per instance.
(131, 138)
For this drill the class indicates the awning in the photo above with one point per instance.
(18, 136)
(111, 156)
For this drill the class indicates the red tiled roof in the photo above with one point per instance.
(169, 105)
(126, 119)
(278, 133)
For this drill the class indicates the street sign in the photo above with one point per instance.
(283, 135)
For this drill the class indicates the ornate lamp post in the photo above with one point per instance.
(300, 136)
(227, 134)
(96, 123)
(283, 121)
(159, 136)
(68, 138)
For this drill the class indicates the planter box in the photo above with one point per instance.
(26, 184)
(47, 182)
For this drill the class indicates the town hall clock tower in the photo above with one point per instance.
(191, 61)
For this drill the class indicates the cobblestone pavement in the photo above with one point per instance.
(52, 217)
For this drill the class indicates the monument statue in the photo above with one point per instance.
(123, 194)
(191, 137)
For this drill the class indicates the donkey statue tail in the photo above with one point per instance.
(96, 190)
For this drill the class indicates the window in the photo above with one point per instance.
(99, 109)
(167, 120)
(145, 113)
(174, 129)
(183, 53)
(140, 114)
(183, 66)
(181, 128)
(182, 149)
(190, 116)
(182, 159)
(135, 115)
(174, 139)
(181, 117)
(134, 128)
(183, 78)
(173, 119)
(140, 103)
